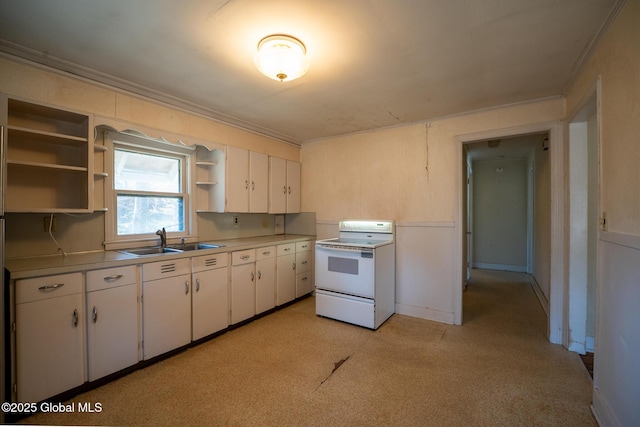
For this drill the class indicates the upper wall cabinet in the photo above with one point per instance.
(49, 154)
(284, 186)
(247, 181)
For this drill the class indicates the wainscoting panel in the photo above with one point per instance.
(425, 271)
(617, 347)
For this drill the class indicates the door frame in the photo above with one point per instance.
(558, 260)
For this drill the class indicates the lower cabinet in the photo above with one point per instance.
(49, 327)
(265, 279)
(304, 276)
(209, 295)
(286, 273)
(166, 306)
(112, 320)
(243, 285)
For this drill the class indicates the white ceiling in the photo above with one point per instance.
(374, 63)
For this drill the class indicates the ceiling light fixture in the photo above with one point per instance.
(281, 57)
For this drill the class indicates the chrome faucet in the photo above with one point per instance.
(163, 237)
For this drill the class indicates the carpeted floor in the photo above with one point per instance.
(293, 368)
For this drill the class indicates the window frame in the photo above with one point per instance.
(142, 144)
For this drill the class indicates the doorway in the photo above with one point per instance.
(508, 206)
(583, 227)
(553, 299)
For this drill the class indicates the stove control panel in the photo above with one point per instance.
(364, 226)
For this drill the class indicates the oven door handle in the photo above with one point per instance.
(344, 248)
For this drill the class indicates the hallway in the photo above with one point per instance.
(294, 368)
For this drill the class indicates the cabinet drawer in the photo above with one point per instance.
(303, 261)
(266, 252)
(169, 268)
(243, 257)
(303, 246)
(41, 288)
(286, 249)
(208, 262)
(110, 277)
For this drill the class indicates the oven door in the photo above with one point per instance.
(345, 270)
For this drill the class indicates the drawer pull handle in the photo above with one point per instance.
(287, 249)
(50, 287)
(94, 314)
(303, 278)
(75, 318)
(245, 257)
(266, 253)
(113, 277)
(303, 262)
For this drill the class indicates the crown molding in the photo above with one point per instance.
(50, 63)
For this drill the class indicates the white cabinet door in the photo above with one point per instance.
(286, 278)
(49, 336)
(265, 280)
(259, 185)
(210, 302)
(237, 182)
(277, 185)
(166, 314)
(112, 330)
(243, 292)
(293, 187)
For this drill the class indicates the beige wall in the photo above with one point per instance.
(406, 173)
(617, 62)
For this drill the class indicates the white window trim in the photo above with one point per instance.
(112, 240)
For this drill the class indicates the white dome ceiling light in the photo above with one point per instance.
(281, 57)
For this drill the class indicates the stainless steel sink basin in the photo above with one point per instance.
(150, 251)
(195, 246)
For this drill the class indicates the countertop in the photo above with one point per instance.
(21, 268)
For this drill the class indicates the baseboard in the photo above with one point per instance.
(500, 267)
(425, 313)
(601, 411)
(544, 302)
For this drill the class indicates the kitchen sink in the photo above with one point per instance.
(150, 251)
(194, 246)
(170, 249)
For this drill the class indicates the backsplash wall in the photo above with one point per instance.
(26, 236)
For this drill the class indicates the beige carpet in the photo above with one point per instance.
(294, 368)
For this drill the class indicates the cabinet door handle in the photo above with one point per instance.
(75, 318)
(289, 190)
(253, 186)
(94, 314)
(186, 287)
(259, 275)
(50, 287)
(197, 285)
(294, 265)
(253, 276)
(113, 277)
(285, 189)
(246, 184)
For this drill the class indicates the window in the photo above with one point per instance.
(150, 189)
